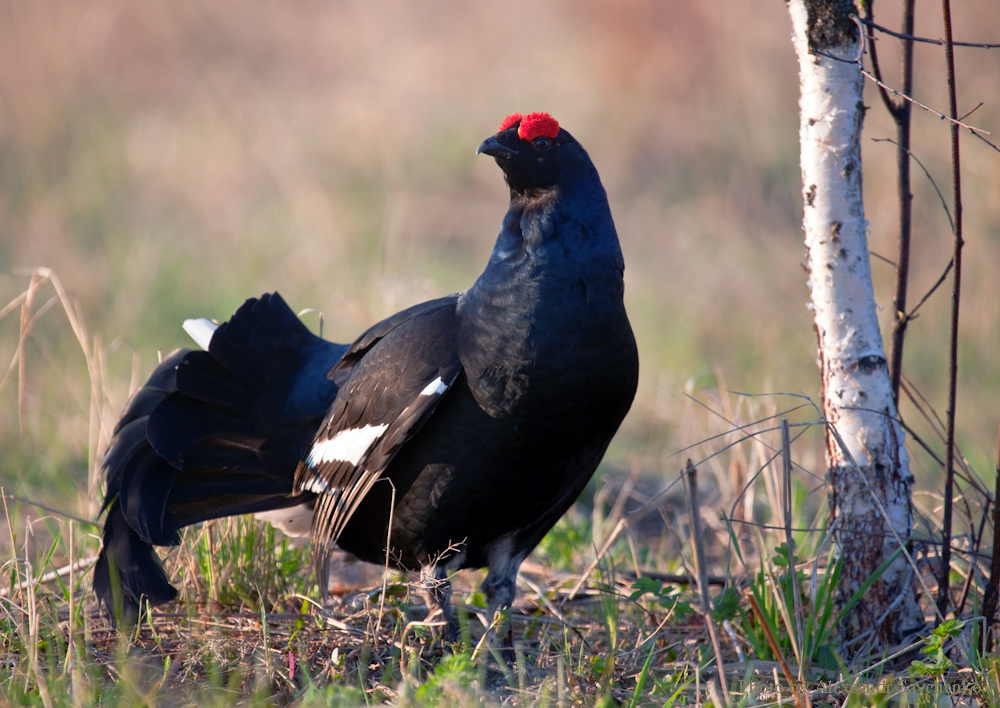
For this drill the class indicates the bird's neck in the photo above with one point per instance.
(555, 234)
(554, 277)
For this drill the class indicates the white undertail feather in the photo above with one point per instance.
(295, 521)
(201, 331)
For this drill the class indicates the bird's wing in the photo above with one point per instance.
(378, 331)
(406, 365)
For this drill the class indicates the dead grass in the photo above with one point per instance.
(623, 625)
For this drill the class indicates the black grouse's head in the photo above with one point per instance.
(532, 150)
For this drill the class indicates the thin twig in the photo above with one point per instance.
(969, 113)
(959, 457)
(927, 295)
(872, 47)
(942, 116)
(15, 362)
(902, 115)
(879, 257)
(786, 471)
(993, 588)
(582, 580)
(33, 285)
(971, 576)
(50, 509)
(944, 203)
(690, 475)
(656, 502)
(987, 142)
(956, 176)
(926, 40)
(51, 575)
(385, 572)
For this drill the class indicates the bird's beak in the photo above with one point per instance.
(493, 147)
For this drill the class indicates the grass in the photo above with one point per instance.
(606, 614)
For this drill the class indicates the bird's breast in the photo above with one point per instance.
(547, 349)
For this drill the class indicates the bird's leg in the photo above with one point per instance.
(499, 588)
(435, 588)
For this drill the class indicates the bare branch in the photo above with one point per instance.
(969, 113)
(956, 181)
(880, 257)
(915, 102)
(890, 105)
(991, 596)
(902, 115)
(930, 292)
(926, 40)
(987, 142)
(951, 224)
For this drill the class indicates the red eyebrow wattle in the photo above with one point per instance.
(509, 121)
(538, 125)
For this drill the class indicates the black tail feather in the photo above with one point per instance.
(130, 432)
(228, 348)
(128, 570)
(211, 434)
(142, 498)
(181, 422)
(202, 377)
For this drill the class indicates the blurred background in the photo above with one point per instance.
(169, 159)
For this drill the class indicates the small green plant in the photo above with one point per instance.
(332, 696)
(452, 679)
(666, 595)
(934, 648)
(769, 587)
(726, 605)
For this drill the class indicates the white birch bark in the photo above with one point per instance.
(857, 396)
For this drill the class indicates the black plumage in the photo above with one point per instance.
(478, 418)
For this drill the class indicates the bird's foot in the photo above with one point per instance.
(498, 641)
(435, 588)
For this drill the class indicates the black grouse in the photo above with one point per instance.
(477, 418)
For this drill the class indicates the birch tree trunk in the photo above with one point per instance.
(868, 474)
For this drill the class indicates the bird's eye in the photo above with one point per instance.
(541, 143)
